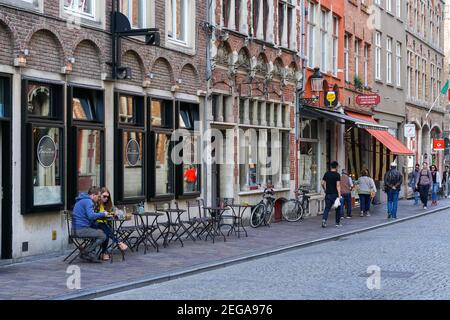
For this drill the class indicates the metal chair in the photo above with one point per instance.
(80, 242)
(230, 215)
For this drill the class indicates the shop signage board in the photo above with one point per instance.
(438, 144)
(368, 99)
(133, 152)
(331, 97)
(46, 151)
(410, 130)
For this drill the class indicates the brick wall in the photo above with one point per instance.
(87, 60)
(6, 45)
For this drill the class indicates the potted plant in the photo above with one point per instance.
(357, 82)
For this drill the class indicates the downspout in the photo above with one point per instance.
(208, 75)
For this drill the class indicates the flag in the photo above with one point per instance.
(444, 88)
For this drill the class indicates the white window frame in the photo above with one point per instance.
(377, 55)
(335, 45)
(174, 19)
(346, 36)
(311, 34)
(142, 11)
(75, 4)
(356, 53)
(366, 65)
(389, 5)
(398, 64)
(398, 8)
(389, 60)
(324, 16)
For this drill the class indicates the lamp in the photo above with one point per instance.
(317, 80)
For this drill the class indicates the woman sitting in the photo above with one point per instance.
(105, 204)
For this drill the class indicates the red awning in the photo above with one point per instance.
(384, 137)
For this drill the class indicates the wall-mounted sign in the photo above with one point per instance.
(410, 130)
(46, 151)
(438, 144)
(368, 99)
(133, 152)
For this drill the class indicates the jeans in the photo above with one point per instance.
(347, 201)
(364, 202)
(109, 234)
(393, 203)
(98, 234)
(423, 189)
(329, 201)
(446, 188)
(416, 198)
(434, 191)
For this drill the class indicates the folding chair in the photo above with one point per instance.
(80, 242)
(227, 203)
(205, 222)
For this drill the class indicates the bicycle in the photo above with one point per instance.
(294, 209)
(263, 211)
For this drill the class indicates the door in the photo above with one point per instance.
(1, 183)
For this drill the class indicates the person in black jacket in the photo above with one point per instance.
(446, 181)
(392, 181)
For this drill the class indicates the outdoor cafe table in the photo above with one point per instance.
(239, 219)
(147, 229)
(216, 214)
(171, 227)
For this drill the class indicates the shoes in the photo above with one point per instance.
(339, 225)
(324, 224)
(89, 257)
(362, 214)
(367, 214)
(425, 207)
(105, 257)
(348, 217)
(122, 246)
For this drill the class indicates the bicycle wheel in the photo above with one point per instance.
(257, 215)
(292, 210)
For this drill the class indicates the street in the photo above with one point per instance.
(413, 258)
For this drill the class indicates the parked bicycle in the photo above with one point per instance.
(294, 209)
(263, 211)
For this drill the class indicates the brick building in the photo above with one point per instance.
(255, 74)
(67, 125)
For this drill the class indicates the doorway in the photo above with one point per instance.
(5, 169)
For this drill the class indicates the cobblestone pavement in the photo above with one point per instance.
(46, 278)
(413, 258)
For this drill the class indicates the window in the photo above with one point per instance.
(416, 77)
(177, 19)
(3, 96)
(161, 183)
(249, 168)
(129, 143)
(335, 44)
(378, 55)
(357, 48)
(324, 40)
(398, 8)
(136, 11)
(311, 36)
(43, 146)
(389, 60)
(409, 73)
(82, 7)
(255, 14)
(388, 5)
(366, 65)
(86, 139)
(188, 172)
(346, 57)
(424, 79)
(309, 157)
(398, 64)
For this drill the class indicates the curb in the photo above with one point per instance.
(125, 286)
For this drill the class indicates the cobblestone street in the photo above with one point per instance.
(413, 257)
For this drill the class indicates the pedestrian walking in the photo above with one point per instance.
(392, 182)
(346, 192)
(436, 186)
(366, 191)
(424, 183)
(413, 177)
(331, 184)
(446, 181)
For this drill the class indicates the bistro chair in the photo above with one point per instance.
(229, 215)
(80, 243)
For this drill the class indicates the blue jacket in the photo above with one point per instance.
(83, 212)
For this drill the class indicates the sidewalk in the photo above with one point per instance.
(46, 278)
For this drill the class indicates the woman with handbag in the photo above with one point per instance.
(366, 191)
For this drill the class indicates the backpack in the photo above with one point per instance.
(426, 179)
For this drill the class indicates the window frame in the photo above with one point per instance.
(90, 16)
(152, 131)
(120, 128)
(185, 12)
(179, 177)
(142, 13)
(74, 126)
(28, 123)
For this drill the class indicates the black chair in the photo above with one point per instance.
(197, 221)
(171, 226)
(80, 242)
(229, 215)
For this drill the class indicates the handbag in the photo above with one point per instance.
(336, 203)
(373, 194)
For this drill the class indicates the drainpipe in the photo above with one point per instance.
(208, 75)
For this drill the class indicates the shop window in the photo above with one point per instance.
(43, 172)
(308, 168)
(308, 129)
(249, 168)
(163, 166)
(188, 172)
(3, 89)
(130, 144)
(86, 140)
(286, 159)
(161, 113)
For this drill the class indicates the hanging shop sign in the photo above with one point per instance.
(331, 98)
(410, 130)
(438, 144)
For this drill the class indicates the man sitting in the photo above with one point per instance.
(82, 219)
